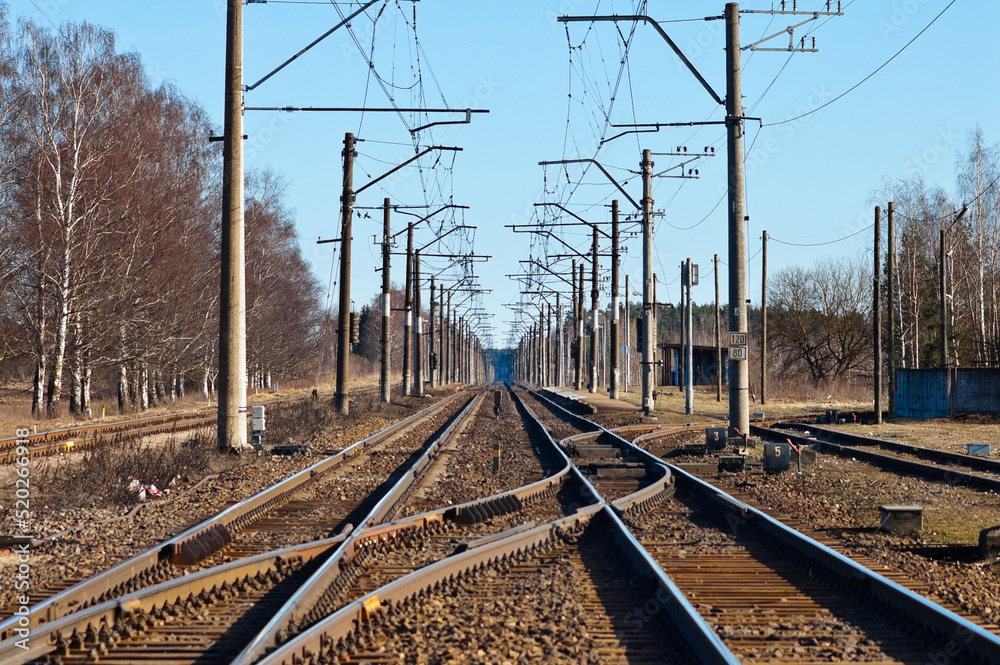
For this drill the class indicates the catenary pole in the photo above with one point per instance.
(418, 330)
(594, 300)
(718, 334)
(408, 321)
(344, 316)
(648, 403)
(689, 348)
(232, 418)
(579, 334)
(739, 374)
(763, 322)
(431, 359)
(385, 379)
(613, 392)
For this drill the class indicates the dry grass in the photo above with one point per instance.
(15, 404)
(99, 477)
(950, 434)
(670, 405)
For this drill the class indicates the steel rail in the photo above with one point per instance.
(699, 635)
(311, 591)
(954, 628)
(890, 463)
(55, 440)
(337, 630)
(93, 619)
(932, 454)
(201, 538)
(103, 616)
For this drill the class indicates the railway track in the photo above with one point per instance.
(213, 611)
(84, 436)
(554, 570)
(932, 464)
(200, 542)
(497, 598)
(775, 595)
(769, 601)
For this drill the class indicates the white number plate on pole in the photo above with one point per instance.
(737, 353)
(737, 339)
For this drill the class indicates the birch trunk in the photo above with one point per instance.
(123, 401)
(52, 406)
(143, 389)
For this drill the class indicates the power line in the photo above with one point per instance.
(820, 244)
(954, 212)
(859, 83)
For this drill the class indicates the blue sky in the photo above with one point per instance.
(808, 181)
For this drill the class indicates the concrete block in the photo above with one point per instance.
(901, 520)
(989, 542)
(978, 449)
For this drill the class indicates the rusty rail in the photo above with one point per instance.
(200, 540)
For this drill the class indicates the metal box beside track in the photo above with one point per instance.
(777, 457)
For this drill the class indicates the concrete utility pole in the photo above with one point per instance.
(682, 356)
(718, 334)
(656, 338)
(891, 270)
(689, 341)
(444, 329)
(541, 345)
(689, 355)
(344, 317)
(418, 331)
(739, 373)
(877, 315)
(408, 307)
(431, 359)
(449, 376)
(628, 336)
(648, 403)
(548, 345)
(613, 392)
(232, 419)
(560, 345)
(579, 334)
(460, 357)
(763, 323)
(594, 297)
(385, 379)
